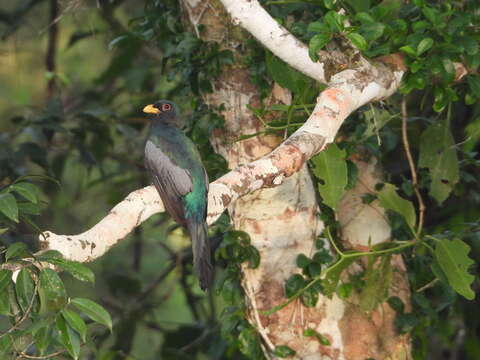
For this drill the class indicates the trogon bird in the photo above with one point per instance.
(181, 181)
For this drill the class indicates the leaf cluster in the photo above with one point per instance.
(44, 319)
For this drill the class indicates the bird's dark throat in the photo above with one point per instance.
(165, 119)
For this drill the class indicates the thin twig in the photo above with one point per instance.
(52, 47)
(406, 145)
(205, 333)
(23, 355)
(195, 21)
(428, 285)
(190, 298)
(25, 314)
(153, 285)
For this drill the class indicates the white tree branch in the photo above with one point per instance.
(333, 106)
(250, 15)
(348, 90)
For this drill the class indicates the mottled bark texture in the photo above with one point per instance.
(370, 334)
(273, 198)
(283, 222)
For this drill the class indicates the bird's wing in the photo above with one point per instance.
(171, 181)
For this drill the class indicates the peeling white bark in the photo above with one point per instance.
(333, 106)
(348, 90)
(252, 16)
(137, 207)
(282, 222)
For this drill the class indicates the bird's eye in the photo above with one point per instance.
(166, 107)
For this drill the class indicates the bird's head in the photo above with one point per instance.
(162, 110)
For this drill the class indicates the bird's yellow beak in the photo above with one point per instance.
(150, 109)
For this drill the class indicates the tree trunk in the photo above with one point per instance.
(274, 200)
(283, 222)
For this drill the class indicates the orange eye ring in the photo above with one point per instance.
(166, 107)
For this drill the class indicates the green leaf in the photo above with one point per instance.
(318, 27)
(449, 71)
(345, 290)
(294, 284)
(283, 351)
(317, 43)
(303, 261)
(27, 190)
(24, 288)
(452, 255)
(330, 166)
(390, 200)
(416, 65)
(469, 100)
(376, 119)
(94, 311)
(38, 177)
(432, 14)
(52, 291)
(28, 208)
(438, 154)
(249, 343)
(76, 269)
(68, 338)
(441, 99)
(5, 279)
(424, 45)
(372, 31)
(332, 277)
(18, 249)
(358, 41)
(76, 322)
(407, 49)
(470, 44)
(43, 337)
(253, 257)
(474, 84)
(377, 282)
(322, 339)
(8, 206)
(5, 303)
(314, 269)
(5, 347)
(396, 304)
(38, 323)
(420, 26)
(329, 4)
(322, 257)
(49, 255)
(334, 20)
(365, 18)
(359, 5)
(438, 272)
(310, 297)
(284, 75)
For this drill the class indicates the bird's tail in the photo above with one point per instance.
(201, 252)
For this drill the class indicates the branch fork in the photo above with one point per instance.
(346, 92)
